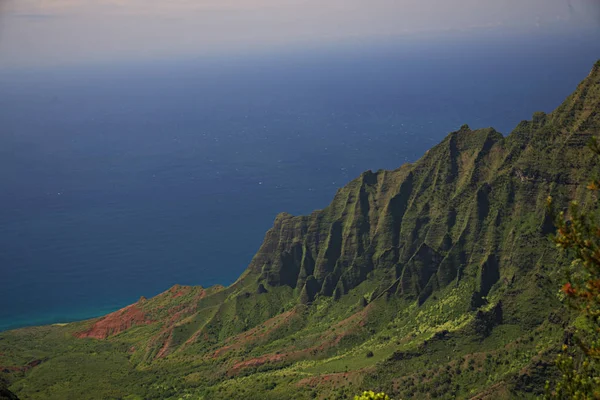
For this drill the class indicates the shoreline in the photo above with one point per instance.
(55, 320)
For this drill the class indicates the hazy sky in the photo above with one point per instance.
(63, 32)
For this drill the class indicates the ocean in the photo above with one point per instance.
(119, 181)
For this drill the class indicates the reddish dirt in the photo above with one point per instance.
(165, 347)
(24, 368)
(7, 369)
(255, 334)
(178, 291)
(115, 323)
(201, 295)
(195, 337)
(176, 314)
(257, 362)
(134, 315)
(327, 340)
(179, 313)
(223, 350)
(288, 356)
(330, 342)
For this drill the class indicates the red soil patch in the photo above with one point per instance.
(181, 312)
(289, 356)
(361, 316)
(195, 337)
(166, 334)
(255, 334)
(6, 369)
(257, 362)
(178, 291)
(178, 313)
(115, 323)
(222, 351)
(331, 342)
(24, 368)
(266, 328)
(327, 340)
(165, 347)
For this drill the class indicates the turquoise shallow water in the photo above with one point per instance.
(120, 182)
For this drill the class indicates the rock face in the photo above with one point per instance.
(462, 211)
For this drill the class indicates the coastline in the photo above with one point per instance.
(55, 319)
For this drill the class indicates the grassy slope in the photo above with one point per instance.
(440, 271)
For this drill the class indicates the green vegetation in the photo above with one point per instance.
(370, 395)
(435, 280)
(579, 235)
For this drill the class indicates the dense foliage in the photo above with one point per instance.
(370, 395)
(579, 235)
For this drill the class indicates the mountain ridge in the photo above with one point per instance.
(412, 281)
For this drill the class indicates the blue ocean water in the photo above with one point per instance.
(121, 181)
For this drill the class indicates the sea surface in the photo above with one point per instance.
(118, 181)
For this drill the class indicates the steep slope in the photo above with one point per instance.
(435, 280)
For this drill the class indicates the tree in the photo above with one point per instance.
(578, 234)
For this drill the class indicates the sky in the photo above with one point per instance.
(36, 33)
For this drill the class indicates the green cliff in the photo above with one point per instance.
(435, 280)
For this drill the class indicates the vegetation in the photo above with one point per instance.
(579, 235)
(370, 395)
(435, 280)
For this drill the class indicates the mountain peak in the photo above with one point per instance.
(595, 68)
(579, 113)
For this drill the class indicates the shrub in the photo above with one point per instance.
(370, 354)
(578, 234)
(370, 395)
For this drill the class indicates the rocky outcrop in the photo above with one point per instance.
(462, 210)
(392, 220)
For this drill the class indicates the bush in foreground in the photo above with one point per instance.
(370, 395)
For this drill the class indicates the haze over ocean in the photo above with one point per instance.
(121, 181)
